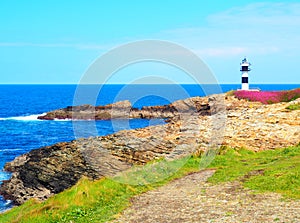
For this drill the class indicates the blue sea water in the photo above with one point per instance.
(20, 131)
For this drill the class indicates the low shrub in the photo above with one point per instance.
(293, 107)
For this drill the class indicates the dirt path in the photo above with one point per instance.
(193, 199)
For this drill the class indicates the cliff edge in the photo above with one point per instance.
(49, 170)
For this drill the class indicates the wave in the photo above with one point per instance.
(63, 120)
(35, 118)
(23, 118)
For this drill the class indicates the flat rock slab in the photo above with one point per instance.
(193, 199)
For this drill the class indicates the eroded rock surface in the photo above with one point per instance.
(199, 124)
(124, 110)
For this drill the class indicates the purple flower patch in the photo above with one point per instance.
(268, 97)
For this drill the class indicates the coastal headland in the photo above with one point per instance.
(189, 129)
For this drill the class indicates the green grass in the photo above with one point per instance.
(102, 200)
(293, 107)
(273, 170)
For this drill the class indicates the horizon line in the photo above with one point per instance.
(224, 83)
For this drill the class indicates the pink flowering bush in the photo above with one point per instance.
(268, 97)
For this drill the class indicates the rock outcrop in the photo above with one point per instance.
(199, 124)
(124, 110)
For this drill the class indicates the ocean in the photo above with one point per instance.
(20, 131)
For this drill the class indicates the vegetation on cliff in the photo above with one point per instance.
(255, 126)
(102, 200)
(294, 107)
(268, 97)
(270, 170)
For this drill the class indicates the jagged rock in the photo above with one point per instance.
(124, 110)
(196, 125)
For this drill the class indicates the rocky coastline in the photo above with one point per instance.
(194, 125)
(124, 110)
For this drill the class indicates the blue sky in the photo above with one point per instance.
(56, 41)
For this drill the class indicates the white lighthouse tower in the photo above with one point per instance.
(245, 77)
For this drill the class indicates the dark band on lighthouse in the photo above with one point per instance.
(245, 68)
(244, 80)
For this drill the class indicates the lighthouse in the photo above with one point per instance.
(245, 77)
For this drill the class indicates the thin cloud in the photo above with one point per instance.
(260, 29)
(55, 45)
(224, 51)
(235, 51)
(265, 13)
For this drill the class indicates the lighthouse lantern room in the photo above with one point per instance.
(245, 77)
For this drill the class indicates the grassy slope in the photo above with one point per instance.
(102, 200)
(272, 170)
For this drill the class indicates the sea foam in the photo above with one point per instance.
(23, 118)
